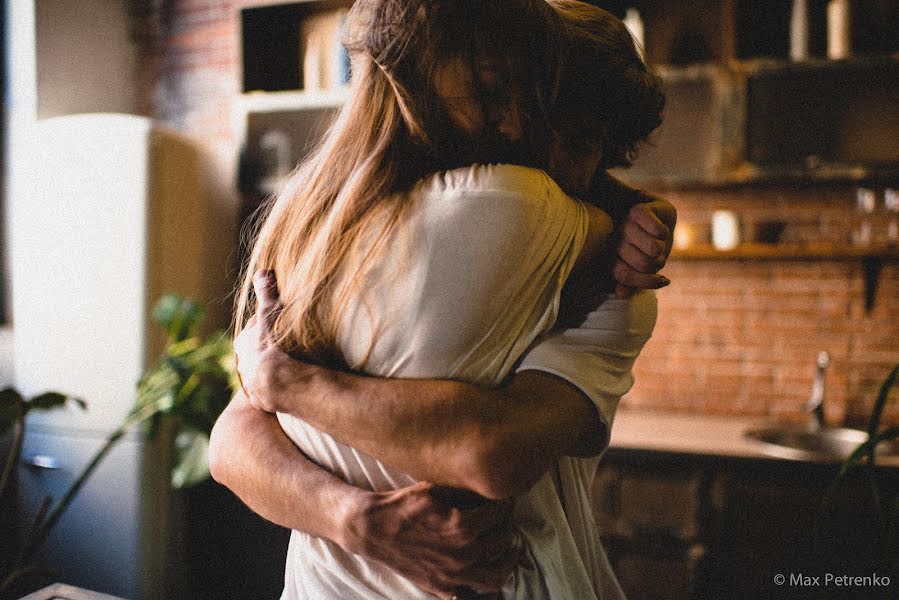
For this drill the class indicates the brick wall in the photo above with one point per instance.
(732, 337)
(189, 70)
(742, 336)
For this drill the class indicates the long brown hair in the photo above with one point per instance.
(336, 212)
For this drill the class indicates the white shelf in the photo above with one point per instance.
(257, 102)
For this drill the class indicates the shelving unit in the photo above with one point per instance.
(749, 115)
(772, 121)
(273, 99)
(267, 102)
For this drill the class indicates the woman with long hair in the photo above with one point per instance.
(393, 260)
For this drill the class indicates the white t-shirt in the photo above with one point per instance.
(471, 283)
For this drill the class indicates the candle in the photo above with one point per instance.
(725, 230)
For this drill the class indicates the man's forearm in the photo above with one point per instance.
(494, 441)
(251, 455)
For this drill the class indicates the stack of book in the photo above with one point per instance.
(326, 64)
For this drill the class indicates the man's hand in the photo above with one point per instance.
(645, 243)
(446, 544)
(258, 357)
(438, 538)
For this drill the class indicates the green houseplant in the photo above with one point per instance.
(14, 408)
(861, 464)
(191, 383)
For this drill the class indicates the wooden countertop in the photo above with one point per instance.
(689, 433)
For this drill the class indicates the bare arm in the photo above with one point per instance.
(494, 441)
(247, 441)
(417, 531)
(497, 442)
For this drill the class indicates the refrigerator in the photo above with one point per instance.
(109, 213)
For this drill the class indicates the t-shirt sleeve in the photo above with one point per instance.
(597, 356)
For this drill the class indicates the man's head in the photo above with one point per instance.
(608, 99)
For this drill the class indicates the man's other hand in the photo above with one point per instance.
(448, 542)
(645, 241)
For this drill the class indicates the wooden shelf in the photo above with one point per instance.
(293, 101)
(872, 258)
(761, 66)
(775, 122)
(748, 174)
(250, 4)
(753, 251)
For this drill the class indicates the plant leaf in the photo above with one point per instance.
(192, 456)
(179, 316)
(51, 400)
(880, 404)
(888, 435)
(12, 405)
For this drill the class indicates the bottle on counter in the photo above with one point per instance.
(863, 227)
(891, 206)
(725, 230)
(634, 24)
(839, 29)
(799, 31)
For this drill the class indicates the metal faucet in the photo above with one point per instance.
(815, 404)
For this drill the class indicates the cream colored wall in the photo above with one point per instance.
(86, 60)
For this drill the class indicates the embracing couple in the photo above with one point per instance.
(443, 306)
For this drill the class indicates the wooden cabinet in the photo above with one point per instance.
(770, 121)
(706, 527)
(739, 112)
(52, 462)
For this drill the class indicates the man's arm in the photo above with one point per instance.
(494, 441)
(417, 531)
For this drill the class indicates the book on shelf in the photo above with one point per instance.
(326, 64)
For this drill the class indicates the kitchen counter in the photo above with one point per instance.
(689, 433)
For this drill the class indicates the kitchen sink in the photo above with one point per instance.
(808, 442)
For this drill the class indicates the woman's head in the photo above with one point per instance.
(393, 130)
(608, 100)
(434, 54)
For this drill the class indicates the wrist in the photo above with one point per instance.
(285, 383)
(350, 526)
(269, 381)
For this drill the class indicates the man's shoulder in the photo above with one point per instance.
(504, 180)
(496, 191)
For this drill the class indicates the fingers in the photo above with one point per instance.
(628, 276)
(637, 259)
(650, 245)
(266, 287)
(645, 217)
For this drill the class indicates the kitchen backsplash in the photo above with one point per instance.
(742, 336)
